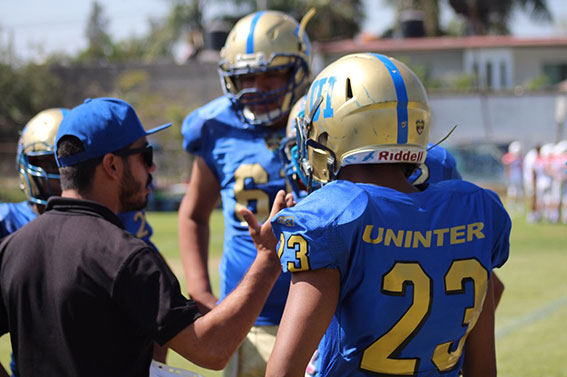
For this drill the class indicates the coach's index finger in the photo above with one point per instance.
(253, 226)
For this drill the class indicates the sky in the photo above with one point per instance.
(38, 26)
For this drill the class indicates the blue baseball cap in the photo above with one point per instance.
(104, 125)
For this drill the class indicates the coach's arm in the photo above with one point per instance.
(213, 338)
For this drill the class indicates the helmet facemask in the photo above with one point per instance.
(37, 176)
(274, 104)
(313, 153)
(266, 43)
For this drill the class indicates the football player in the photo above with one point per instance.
(383, 273)
(264, 69)
(513, 165)
(530, 183)
(559, 182)
(39, 179)
(544, 180)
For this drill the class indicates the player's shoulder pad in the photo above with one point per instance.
(217, 111)
(465, 187)
(335, 203)
(455, 186)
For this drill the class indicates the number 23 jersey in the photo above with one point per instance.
(246, 163)
(414, 271)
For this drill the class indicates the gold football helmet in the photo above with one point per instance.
(362, 109)
(266, 43)
(36, 159)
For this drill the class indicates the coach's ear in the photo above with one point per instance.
(112, 166)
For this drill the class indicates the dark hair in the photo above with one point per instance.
(77, 177)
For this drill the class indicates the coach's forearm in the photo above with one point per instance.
(213, 338)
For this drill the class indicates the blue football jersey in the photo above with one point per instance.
(136, 224)
(439, 166)
(13, 216)
(414, 271)
(245, 160)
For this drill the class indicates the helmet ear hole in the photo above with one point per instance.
(348, 89)
(322, 139)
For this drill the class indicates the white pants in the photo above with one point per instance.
(251, 359)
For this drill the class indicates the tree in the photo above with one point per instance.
(100, 46)
(334, 19)
(26, 90)
(481, 16)
(492, 17)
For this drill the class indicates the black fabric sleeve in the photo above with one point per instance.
(4, 325)
(148, 292)
(4, 328)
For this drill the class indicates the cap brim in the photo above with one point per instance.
(159, 128)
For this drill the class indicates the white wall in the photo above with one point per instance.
(529, 118)
(529, 62)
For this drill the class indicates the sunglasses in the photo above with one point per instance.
(147, 153)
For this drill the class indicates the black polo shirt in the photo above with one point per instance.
(80, 296)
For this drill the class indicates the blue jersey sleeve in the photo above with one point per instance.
(312, 234)
(13, 216)
(198, 129)
(503, 226)
(192, 130)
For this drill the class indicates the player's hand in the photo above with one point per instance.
(263, 236)
(289, 200)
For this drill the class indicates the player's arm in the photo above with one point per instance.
(480, 352)
(498, 289)
(194, 214)
(212, 339)
(310, 306)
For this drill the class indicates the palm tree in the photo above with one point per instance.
(492, 17)
(482, 16)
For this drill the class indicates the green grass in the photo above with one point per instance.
(534, 304)
(10, 190)
(530, 321)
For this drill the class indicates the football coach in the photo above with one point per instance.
(80, 296)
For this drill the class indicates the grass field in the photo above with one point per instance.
(531, 321)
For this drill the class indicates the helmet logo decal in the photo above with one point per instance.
(250, 39)
(286, 220)
(402, 95)
(419, 126)
(318, 87)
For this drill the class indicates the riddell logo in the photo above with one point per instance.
(401, 156)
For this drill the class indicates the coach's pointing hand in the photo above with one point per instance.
(263, 237)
